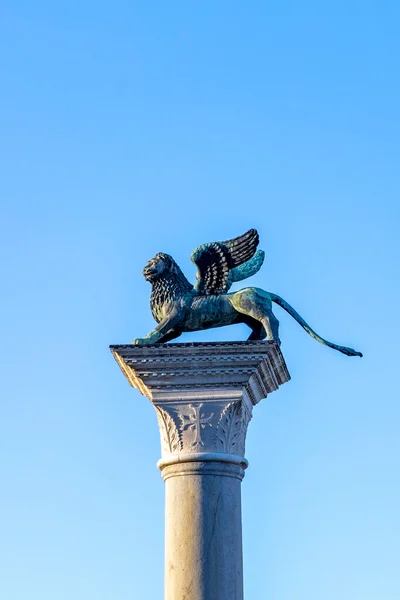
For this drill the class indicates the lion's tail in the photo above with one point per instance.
(293, 313)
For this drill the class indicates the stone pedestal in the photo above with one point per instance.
(204, 395)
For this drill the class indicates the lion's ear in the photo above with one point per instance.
(173, 267)
(169, 263)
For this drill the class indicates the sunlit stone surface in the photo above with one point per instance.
(204, 395)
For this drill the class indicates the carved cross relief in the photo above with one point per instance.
(196, 421)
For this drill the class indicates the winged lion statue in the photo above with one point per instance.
(178, 306)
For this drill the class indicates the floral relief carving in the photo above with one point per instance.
(170, 437)
(231, 429)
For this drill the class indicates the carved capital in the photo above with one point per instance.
(205, 425)
(203, 393)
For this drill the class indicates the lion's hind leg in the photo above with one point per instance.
(256, 304)
(274, 326)
(257, 330)
(269, 323)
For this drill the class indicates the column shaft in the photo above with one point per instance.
(203, 531)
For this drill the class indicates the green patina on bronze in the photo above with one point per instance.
(178, 306)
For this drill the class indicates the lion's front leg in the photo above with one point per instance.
(150, 338)
(160, 332)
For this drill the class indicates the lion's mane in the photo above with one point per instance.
(168, 286)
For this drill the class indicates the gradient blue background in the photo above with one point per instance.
(135, 127)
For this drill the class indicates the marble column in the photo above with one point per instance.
(203, 394)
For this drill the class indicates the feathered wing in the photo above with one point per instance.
(219, 263)
(247, 269)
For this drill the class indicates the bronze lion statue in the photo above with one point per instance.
(178, 306)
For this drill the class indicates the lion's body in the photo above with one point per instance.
(250, 305)
(179, 307)
(205, 312)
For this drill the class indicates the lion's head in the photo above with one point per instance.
(159, 265)
(167, 281)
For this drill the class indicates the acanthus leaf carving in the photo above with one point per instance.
(170, 436)
(231, 429)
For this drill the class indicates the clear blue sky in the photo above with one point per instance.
(129, 128)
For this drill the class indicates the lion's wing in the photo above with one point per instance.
(216, 259)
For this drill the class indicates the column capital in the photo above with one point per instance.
(203, 393)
